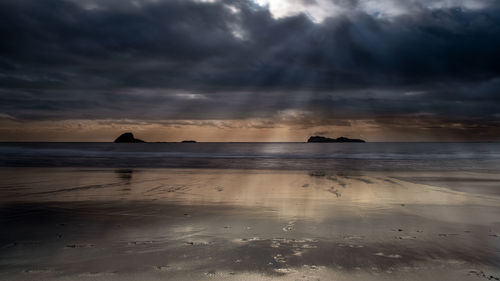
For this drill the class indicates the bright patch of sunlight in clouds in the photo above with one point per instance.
(318, 10)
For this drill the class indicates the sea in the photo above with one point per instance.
(379, 156)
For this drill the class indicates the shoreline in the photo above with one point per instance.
(200, 224)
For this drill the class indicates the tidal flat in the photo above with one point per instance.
(223, 224)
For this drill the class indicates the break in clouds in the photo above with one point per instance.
(418, 62)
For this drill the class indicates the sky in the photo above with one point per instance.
(245, 70)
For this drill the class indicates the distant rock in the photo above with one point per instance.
(188, 141)
(127, 137)
(325, 139)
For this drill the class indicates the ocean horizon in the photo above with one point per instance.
(309, 156)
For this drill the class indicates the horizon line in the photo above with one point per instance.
(152, 142)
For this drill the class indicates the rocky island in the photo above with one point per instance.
(127, 138)
(325, 139)
(188, 141)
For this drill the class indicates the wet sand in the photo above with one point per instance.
(197, 224)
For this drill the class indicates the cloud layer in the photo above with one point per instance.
(218, 60)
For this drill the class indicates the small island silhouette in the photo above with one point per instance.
(127, 138)
(188, 141)
(327, 140)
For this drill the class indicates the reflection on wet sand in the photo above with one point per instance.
(125, 174)
(183, 224)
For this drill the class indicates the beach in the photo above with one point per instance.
(75, 223)
(249, 140)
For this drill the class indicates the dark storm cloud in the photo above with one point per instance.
(232, 59)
